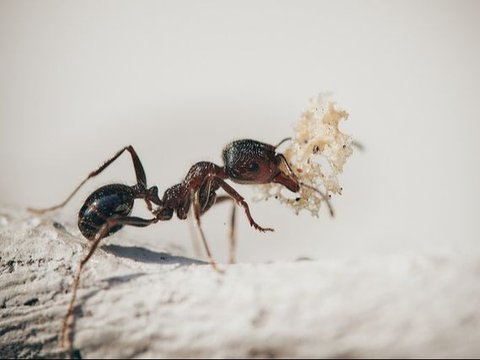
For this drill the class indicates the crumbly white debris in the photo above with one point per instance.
(317, 153)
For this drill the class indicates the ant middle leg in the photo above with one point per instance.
(197, 210)
(139, 172)
(102, 233)
(231, 227)
(231, 230)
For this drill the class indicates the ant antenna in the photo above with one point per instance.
(281, 142)
(325, 197)
(330, 208)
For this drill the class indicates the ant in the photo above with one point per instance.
(108, 208)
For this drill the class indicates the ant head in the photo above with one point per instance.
(254, 162)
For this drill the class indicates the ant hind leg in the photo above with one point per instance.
(139, 172)
(66, 341)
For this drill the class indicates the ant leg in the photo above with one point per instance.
(196, 212)
(231, 228)
(241, 201)
(139, 172)
(193, 235)
(127, 220)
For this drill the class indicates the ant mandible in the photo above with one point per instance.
(108, 208)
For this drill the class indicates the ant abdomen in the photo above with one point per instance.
(105, 203)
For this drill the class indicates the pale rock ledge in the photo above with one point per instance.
(134, 302)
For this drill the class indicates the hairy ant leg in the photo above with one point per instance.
(199, 207)
(195, 201)
(102, 233)
(139, 172)
(192, 229)
(231, 228)
(240, 201)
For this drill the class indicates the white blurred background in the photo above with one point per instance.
(181, 79)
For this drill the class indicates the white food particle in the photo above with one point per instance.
(317, 153)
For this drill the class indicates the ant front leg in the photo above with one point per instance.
(240, 200)
(139, 172)
(103, 232)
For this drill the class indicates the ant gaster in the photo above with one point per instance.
(108, 208)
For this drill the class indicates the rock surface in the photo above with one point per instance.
(134, 302)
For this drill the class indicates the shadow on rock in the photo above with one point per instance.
(148, 256)
(114, 280)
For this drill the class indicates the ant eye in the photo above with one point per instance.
(253, 167)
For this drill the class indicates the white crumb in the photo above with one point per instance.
(317, 153)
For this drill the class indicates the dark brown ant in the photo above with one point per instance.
(108, 208)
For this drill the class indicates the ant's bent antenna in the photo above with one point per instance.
(330, 208)
(281, 142)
